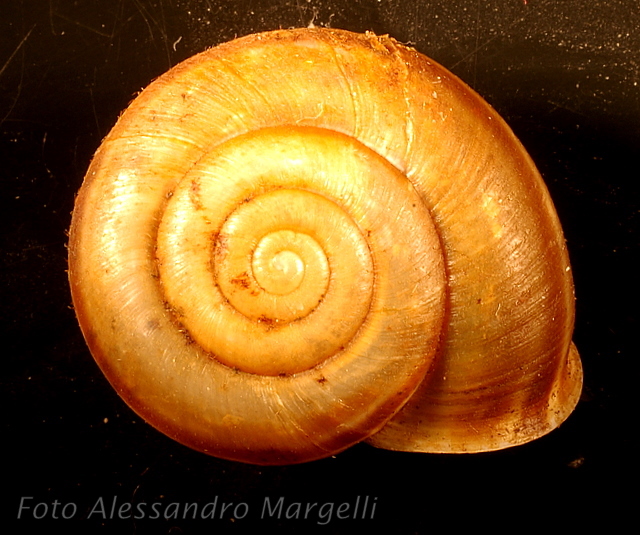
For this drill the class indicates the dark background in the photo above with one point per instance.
(564, 74)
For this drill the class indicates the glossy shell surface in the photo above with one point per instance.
(303, 239)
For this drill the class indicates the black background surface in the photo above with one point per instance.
(564, 74)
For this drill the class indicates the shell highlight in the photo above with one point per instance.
(303, 239)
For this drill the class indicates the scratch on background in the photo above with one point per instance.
(24, 40)
(484, 44)
(159, 24)
(6, 63)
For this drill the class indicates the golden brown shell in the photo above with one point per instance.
(302, 239)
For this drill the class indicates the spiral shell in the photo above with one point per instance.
(302, 239)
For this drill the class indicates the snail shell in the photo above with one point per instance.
(306, 238)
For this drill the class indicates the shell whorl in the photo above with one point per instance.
(282, 236)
